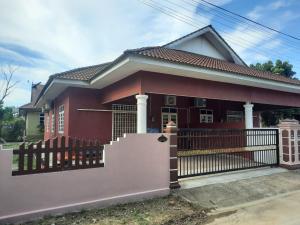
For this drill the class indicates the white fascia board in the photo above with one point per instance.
(134, 64)
(189, 37)
(111, 70)
(59, 85)
(213, 75)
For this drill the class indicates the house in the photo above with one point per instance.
(34, 117)
(197, 81)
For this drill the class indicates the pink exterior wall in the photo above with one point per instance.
(85, 124)
(184, 86)
(63, 99)
(82, 124)
(136, 167)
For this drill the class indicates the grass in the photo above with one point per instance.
(169, 210)
(11, 145)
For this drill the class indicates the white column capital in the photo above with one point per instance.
(248, 105)
(141, 97)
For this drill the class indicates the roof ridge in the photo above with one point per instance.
(78, 69)
(182, 37)
(271, 75)
(140, 49)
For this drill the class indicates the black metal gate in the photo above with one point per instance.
(207, 151)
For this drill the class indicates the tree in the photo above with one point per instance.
(280, 68)
(6, 87)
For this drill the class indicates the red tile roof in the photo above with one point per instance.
(83, 73)
(188, 58)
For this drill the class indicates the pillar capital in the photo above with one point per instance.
(248, 105)
(141, 97)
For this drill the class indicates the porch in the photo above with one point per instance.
(149, 113)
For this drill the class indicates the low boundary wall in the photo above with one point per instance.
(135, 167)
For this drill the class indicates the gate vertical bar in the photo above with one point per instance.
(277, 148)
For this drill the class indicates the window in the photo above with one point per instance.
(170, 100)
(52, 122)
(235, 116)
(200, 102)
(47, 123)
(206, 116)
(42, 119)
(61, 119)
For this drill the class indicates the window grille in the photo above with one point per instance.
(123, 120)
(61, 119)
(206, 116)
(42, 119)
(47, 123)
(52, 122)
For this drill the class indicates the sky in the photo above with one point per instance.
(41, 38)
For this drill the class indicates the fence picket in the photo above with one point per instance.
(54, 144)
(70, 152)
(77, 150)
(62, 152)
(47, 153)
(30, 158)
(38, 153)
(87, 155)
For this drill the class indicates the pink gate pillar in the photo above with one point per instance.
(289, 143)
(171, 129)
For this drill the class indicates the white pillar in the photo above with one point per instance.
(141, 113)
(248, 115)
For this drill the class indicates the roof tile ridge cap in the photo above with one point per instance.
(138, 50)
(77, 69)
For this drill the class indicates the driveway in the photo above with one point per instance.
(269, 196)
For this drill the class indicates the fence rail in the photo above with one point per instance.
(205, 139)
(53, 156)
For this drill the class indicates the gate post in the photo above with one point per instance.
(171, 129)
(289, 143)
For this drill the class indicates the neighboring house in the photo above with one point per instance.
(34, 116)
(197, 81)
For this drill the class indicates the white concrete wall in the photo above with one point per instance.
(136, 167)
(200, 45)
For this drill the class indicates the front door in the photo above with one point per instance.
(166, 117)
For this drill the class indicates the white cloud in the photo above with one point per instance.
(71, 34)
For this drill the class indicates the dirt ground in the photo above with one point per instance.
(162, 211)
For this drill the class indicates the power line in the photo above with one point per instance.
(292, 47)
(257, 23)
(236, 20)
(190, 20)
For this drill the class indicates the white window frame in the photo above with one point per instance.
(206, 116)
(61, 119)
(234, 116)
(47, 122)
(42, 121)
(52, 122)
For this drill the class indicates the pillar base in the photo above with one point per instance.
(174, 185)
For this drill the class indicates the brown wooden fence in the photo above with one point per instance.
(57, 155)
